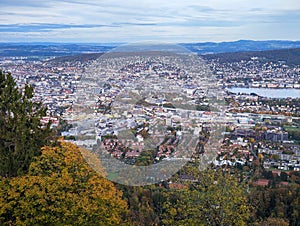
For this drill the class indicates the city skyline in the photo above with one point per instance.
(133, 21)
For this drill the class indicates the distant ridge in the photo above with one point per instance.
(67, 49)
(80, 57)
(50, 49)
(289, 56)
(240, 46)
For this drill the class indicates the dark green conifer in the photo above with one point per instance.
(21, 133)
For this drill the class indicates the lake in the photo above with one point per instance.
(270, 93)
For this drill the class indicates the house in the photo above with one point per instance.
(262, 182)
(177, 186)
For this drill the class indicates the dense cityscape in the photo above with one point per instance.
(257, 124)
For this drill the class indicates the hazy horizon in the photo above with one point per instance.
(121, 43)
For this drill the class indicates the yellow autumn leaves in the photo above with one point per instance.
(60, 189)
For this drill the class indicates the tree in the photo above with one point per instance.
(141, 203)
(273, 222)
(216, 199)
(60, 189)
(276, 204)
(145, 158)
(21, 132)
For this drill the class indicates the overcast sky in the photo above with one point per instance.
(106, 21)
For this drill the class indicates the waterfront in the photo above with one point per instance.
(270, 93)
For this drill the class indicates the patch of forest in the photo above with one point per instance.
(289, 56)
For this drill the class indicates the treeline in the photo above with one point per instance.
(80, 57)
(278, 201)
(289, 56)
(217, 197)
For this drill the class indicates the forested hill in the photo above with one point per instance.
(81, 57)
(290, 56)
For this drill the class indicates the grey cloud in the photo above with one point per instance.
(41, 27)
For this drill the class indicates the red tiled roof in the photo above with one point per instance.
(262, 182)
(176, 186)
(284, 183)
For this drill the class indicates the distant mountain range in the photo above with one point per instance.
(50, 49)
(239, 46)
(66, 49)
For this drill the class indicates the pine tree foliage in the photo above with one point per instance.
(21, 132)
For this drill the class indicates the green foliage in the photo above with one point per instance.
(63, 126)
(216, 199)
(21, 132)
(142, 202)
(291, 56)
(60, 189)
(274, 222)
(206, 198)
(203, 108)
(277, 202)
(294, 132)
(145, 158)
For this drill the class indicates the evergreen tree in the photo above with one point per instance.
(21, 132)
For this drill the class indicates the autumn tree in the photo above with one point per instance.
(273, 222)
(216, 198)
(141, 202)
(60, 189)
(276, 204)
(21, 132)
(145, 158)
